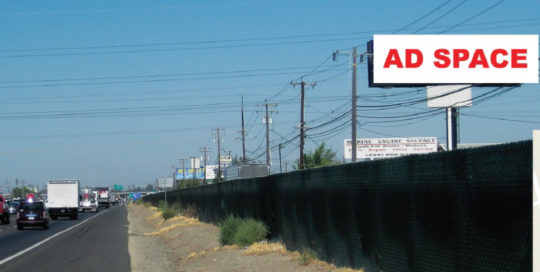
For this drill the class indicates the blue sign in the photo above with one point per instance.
(188, 173)
(135, 196)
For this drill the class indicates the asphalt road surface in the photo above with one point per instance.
(98, 244)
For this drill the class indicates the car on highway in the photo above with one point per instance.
(88, 205)
(13, 207)
(4, 213)
(31, 214)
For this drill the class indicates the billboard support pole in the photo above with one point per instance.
(451, 129)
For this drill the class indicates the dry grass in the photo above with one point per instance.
(163, 230)
(347, 270)
(195, 255)
(154, 216)
(152, 208)
(265, 248)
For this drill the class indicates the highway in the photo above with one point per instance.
(96, 241)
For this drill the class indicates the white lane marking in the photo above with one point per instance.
(47, 239)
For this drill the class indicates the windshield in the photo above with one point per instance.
(37, 206)
(13, 205)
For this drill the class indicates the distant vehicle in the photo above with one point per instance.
(63, 198)
(4, 213)
(32, 213)
(103, 197)
(13, 207)
(88, 201)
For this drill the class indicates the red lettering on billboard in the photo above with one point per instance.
(393, 59)
(517, 55)
(442, 55)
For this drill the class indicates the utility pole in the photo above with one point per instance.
(302, 91)
(183, 168)
(354, 105)
(281, 171)
(243, 135)
(204, 150)
(267, 121)
(218, 139)
(193, 162)
(354, 56)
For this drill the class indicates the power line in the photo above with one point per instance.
(472, 17)
(440, 17)
(424, 16)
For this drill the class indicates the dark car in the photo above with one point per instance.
(13, 207)
(31, 214)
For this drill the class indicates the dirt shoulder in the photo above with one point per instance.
(185, 244)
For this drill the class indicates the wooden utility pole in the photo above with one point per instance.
(280, 170)
(354, 56)
(302, 91)
(267, 121)
(243, 135)
(205, 151)
(218, 140)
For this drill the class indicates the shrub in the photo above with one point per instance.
(169, 210)
(147, 204)
(139, 201)
(228, 229)
(161, 205)
(168, 213)
(249, 232)
(307, 256)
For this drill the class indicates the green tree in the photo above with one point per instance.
(322, 156)
(149, 188)
(21, 192)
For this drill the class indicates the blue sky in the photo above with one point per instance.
(115, 92)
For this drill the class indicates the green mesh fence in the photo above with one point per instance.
(466, 210)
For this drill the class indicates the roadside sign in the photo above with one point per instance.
(377, 148)
(420, 60)
(118, 187)
(226, 158)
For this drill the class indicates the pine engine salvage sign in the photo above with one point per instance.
(453, 59)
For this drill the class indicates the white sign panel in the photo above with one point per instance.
(449, 96)
(459, 59)
(165, 182)
(376, 148)
(211, 171)
(226, 158)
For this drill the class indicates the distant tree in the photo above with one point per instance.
(149, 188)
(322, 156)
(236, 160)
(21, 192)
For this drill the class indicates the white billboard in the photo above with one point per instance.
(455, 59)
(377, 148)
(449, 96)
(165, 182)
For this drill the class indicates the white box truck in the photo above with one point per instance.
(63, 198)
(103, 197)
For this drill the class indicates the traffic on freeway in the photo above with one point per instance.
(53, 226)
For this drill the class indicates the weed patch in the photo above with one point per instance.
(249, 232)
(228, 229)
(307, 256)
